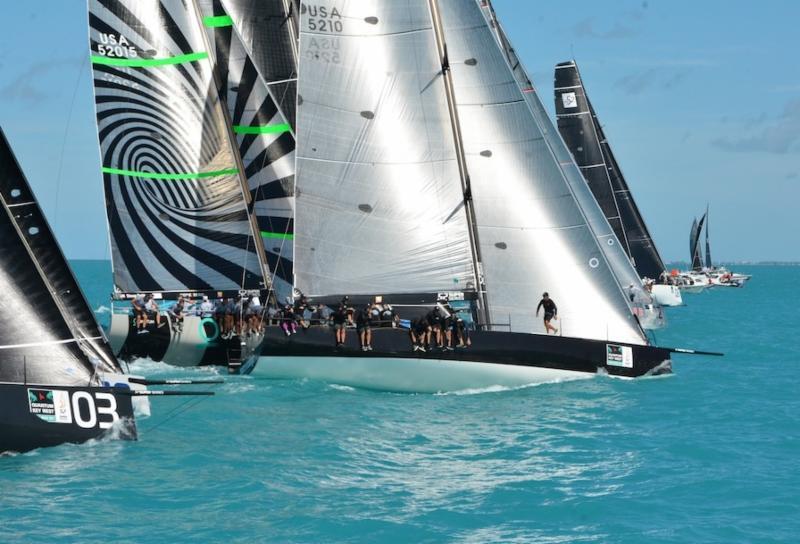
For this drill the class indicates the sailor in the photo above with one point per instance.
(340, 318)
(176, 315)
(152, 309)
(139, 313)
(435, 327)
(419, 332)
(446, 324)
(364, 320)
(219, 313)
(206, 308)
(227, 328)
(550, 312)
(288, 320)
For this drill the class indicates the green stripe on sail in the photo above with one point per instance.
(217, 21)
(144, 63)
(262, 129)
(285, 236)
(155, 175)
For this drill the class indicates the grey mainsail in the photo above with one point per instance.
(614, 252)
(49, 333)
(535, 232)
(379, 207)
(264, 140)
(178, 209)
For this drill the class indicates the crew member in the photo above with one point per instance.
(340, 318)
(364, 320)
(176, 315)
(139, 313)
(550, 312)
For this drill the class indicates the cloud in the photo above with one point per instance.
(29, 85)
(586, 29)
(780, 135)
(652, 78)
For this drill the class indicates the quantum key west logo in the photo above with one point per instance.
(50, 405)
(617, 355)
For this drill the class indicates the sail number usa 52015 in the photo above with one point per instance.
(112, 45)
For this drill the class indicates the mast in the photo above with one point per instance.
(483, 312)
(255, 233)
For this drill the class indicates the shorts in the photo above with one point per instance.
(339, 326)
(363, 328)
(548, 316)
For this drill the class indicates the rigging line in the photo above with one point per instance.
(50, 343)
(184, 407)
(64, 140)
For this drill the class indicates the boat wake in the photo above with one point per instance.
(102, 310)
(504, 388)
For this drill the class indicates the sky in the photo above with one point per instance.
(699, 99)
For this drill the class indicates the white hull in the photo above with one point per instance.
(405, 375)
(666, 295)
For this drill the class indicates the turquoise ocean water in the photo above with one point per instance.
(709, 454)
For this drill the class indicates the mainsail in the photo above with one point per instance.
(695, 250)
(264, 140)
(49, 333)
(535, 234)
(583, 134)
(379, 205)
(709, 263)
(177, 202)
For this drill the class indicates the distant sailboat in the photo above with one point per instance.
(438, 180)
(198, 165)
(720, 276)
(583, 134)
(55, 362)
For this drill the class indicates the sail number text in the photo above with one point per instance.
(322, 18)
(112, 45)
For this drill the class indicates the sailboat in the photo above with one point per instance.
(423, 173)
(197, 160)
(57, 371)
(720, 276)
(695, 280)
(583, 134)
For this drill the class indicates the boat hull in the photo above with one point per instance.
(199, 343)
(37, 416)
(666, 295)
(493, 359)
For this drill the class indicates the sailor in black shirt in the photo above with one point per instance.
(339, 324)
(550, 312)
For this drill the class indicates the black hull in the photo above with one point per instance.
(24, 425)
(501, 348)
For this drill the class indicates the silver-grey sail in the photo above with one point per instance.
(379, 207)
(536, 233)
(177, 210)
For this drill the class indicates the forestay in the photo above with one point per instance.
(534, 233)
(49, 333)
(177, 207)
(379, 207)
(583, 134)
(264, 140)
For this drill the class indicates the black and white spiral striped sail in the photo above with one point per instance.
(49, 334)
(583, 134)
(268, 31)
(177, 201)
(264, 141)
